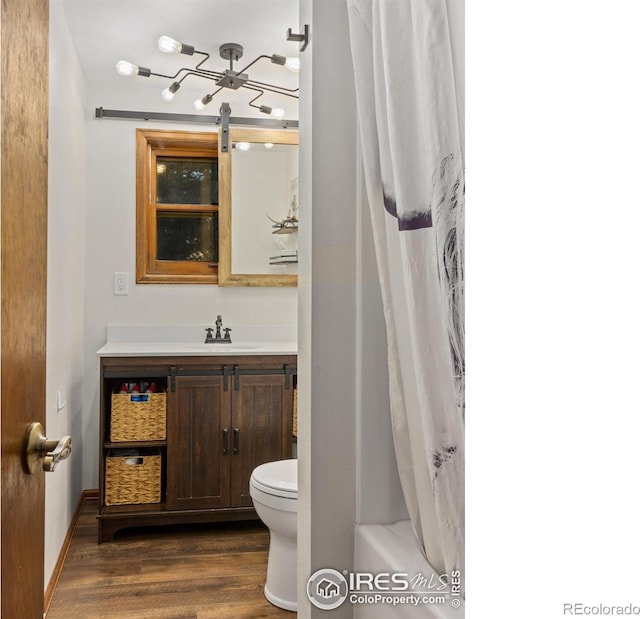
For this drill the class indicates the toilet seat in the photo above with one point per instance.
(276, 484)
(277, 492)
(278, 478)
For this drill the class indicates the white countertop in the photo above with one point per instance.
(195, 349)
(188, 341)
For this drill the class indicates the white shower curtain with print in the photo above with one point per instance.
(411, 146)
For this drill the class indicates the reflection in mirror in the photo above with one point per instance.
(259, 220)
(263, 192)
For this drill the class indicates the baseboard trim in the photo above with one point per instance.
(57, 570)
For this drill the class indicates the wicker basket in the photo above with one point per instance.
(138, 417)
(295, 413)
(132, 480)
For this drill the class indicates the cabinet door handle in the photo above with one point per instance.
(226, 372)
(225, 441)
(236, 441)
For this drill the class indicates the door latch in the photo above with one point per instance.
(38, 447)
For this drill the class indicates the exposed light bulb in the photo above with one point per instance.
(293, 64)
(126, 68)
(268, 145)
(168, 45)
(200, 104)
(243, 145)
(171, 46)
(276, 112)
(169, 93)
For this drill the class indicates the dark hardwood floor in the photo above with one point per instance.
(179, 572)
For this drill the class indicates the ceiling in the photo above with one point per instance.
(105, 31)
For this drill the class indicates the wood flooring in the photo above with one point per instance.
(178, 572)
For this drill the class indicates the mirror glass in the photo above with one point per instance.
(264, 185)
(261, 247)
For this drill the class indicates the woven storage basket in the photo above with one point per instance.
(132, 480)
(140, 417)
(295, 413)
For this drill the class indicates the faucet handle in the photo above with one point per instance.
(209, 338)
(227, 337)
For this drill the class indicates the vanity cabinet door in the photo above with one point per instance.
(198, 443)
(261, 419)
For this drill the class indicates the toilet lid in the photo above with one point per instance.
(279, 475)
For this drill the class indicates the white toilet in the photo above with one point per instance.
(274, 490)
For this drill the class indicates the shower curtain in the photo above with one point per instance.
(410, 143)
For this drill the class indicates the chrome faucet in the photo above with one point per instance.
(218, 339)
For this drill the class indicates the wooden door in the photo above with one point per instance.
(23, 134)
(261, 420)
(198, 443)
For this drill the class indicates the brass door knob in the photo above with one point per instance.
(38, 447)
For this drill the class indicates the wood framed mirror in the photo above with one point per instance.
(258, 208)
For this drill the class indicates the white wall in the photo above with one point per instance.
(327, 286)
(65, 272)
(347, 465)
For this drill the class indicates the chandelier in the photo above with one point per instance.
(227, 78)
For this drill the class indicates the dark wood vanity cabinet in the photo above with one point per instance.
(261, 428)
(224, 417)
(219, 428)
(197, 444)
